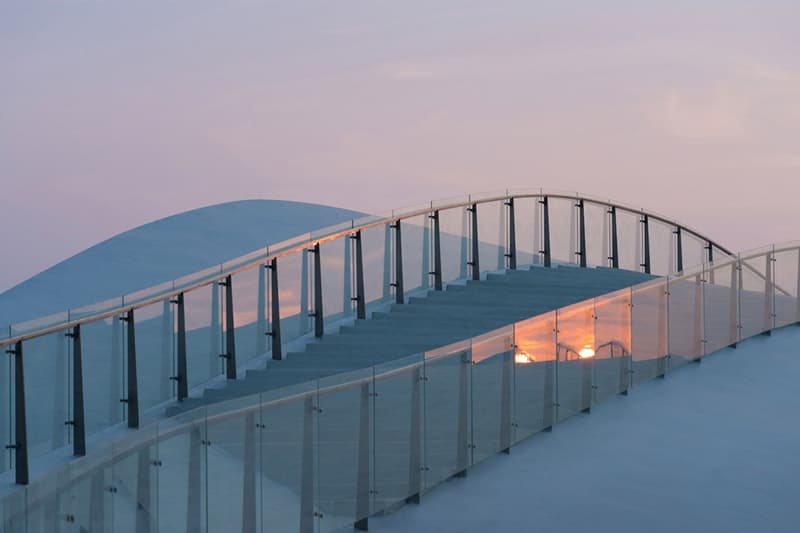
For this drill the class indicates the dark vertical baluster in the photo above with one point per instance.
(646, 243)
(319, 327)
(614, 242)
(475, 263)
(545, 231)
(512, 236)
(678, 249)
(360, 298)
(183, 370)
(132, 401)
(437, 252)
(20, 445)
(399, 297)
(78, 419)
(275, 311)
(230, 334)
(581, 233)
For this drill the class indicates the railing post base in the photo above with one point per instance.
(362, 525)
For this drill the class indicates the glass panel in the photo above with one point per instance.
(48, 390)
(373, 250)
(685, 319)
(492, 221)
(103, 373)
(721, 315)
(232, 464)
(182, 475)
(787, 286)
(398, 431)
(649, 331)
(597, 234)
(662, 248)
(48, 503)
(155, 353)
(612, 362)
(527, 227)
(344, 448)
(629, 240)
(576, 348)
(336, 272)
(135, 482)
(447, 431)
(203, 334)
(250, 313)
(754, 295)
(694, 250)
(492, 392)
(286, 458)
(13, 512)
(454, 232)
(416, 253)
(39, 323)
(294, 294)
(563, 230)
(534, 374)
(84, 496)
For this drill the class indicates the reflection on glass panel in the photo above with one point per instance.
(629, 240)
(182, 475)
(335, 261)
(527, 227)
(454, 230)
(563, 230)
(416, 237)
(286, 461)
(294, 294)
(232, 464)
(13, 510)
(534, 374)
(398, 432)
(755, 295)
(250, 313)
(576, 348)
(135, 482)
(103, 373)
(492, 239)
(154, 353)
(720, 311)
(662, 248)
(84, 494)
(373, 250)
(787, 286)
(613, 344)
(344, 449)
(597, 234)
(492, 392)
(447, 417)
(694, 250)
(49, 502)
(48, 392)
(685, 319)
(203, 333)
(649, 331)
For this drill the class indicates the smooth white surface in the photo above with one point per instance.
(162, 251)
(714, 447)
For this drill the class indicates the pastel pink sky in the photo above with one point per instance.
(115, 113)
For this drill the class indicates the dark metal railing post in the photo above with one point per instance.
(361, 311)
(182, 377)
(678, 249)
(275, 310)
(399, 296)
(230, 335)
(132, 401)
(475, 262)
(437, 252)
(646, 244)
(20, 445)
(78, 421)
(581, 233)
(512, 236)
(319, 327)
(545, 230)
(710, 248)
(614, 242)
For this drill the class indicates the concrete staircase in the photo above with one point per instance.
(425, 322)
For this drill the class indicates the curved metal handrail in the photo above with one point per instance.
(297, 244)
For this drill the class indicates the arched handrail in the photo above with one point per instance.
(168, 290)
